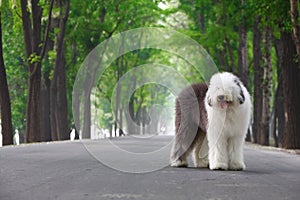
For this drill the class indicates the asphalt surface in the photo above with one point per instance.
(132, 168)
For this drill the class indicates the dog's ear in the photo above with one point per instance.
(209, 101)
(241, 96)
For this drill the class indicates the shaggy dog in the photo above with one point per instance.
(222, 113)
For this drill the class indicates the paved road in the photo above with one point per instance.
(90, 170)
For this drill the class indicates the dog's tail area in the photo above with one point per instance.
(178, 156)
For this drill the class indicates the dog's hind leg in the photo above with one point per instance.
(182, 148)
(179, 155)
(200, 153)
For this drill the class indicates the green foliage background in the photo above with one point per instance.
(91, 22)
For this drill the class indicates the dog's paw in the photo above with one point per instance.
(238, 166)
(179, 163)
(218, 166)
(201, 163)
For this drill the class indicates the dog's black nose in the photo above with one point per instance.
(221, 97)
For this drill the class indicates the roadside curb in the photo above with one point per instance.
(271, 148)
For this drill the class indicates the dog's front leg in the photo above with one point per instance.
(217, 156)
(235, 153)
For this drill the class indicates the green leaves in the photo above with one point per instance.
(34, 58)
(52, 54)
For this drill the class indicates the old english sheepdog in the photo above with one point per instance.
(212, 121)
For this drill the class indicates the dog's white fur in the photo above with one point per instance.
(228, 121)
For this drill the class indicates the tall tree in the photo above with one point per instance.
(291, 92)
(59, 104)
(5, 106)
(290, 69)
(243, 53)
(32, 29)
(266, 87)
(257, 57)
(32, 39)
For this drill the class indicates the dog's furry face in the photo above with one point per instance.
(225, 90)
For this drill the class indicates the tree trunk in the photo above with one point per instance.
(291, 92)
(267, 78)
(88, 82)
(86, 131)
(34, 52)
(296, 25)
(85, 96)
(33, 110)
(76, 112)
(121, 132)
(32, 38)
(53, 106)
(130, 116)
(87, 87)
(243, 56)
(230, 54)
(45, 101)
(279, 119)
(274, 127)
(129, 111)
(59, 104)
(5, 106)
(45, 95)
(279, 100)
(243, 61)
(200, 17)
(280, 111)
(117, 100)
(258, 72)
(144, 124)
(93, 63)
